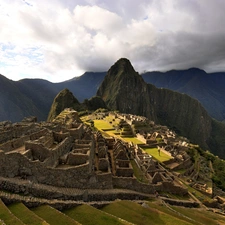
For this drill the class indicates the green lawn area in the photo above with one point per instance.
(201, 216)
(7, 216)
(53, 216)
(154, 153)
(132, 139)
(89, 215)
(102, 124)
(25, 215)
(135, 213)
(108, 130)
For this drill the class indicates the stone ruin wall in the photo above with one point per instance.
(16, 131)
(135, 185)
(124, 168)
(20, 141)
(36, 161)
(16, 165)
(60, 136)
(77, 130)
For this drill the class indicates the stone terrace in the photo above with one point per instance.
(68, 154)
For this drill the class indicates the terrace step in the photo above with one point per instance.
(26, 215)
(53, 216)
(7, 217)
(45, 193)
(87, 214)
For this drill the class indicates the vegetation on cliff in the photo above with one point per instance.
(64, 99)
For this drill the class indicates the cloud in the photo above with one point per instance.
(60, 40)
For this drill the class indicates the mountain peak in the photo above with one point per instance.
(122, 87)
(64, 99)
(122, 66)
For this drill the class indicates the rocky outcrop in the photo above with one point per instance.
(64, 99)
(94, 103)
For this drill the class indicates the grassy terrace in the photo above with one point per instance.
(154, 153)
(136, 214)
(7, 216)
(103, 125)
(201, 217)
(53, 216)
(89, 215)
(107, 129)
(138, 173)
(25, 215)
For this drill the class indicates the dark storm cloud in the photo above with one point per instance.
(71, 37)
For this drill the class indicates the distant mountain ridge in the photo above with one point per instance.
(34, 97)
(28, 97)
(209, 89)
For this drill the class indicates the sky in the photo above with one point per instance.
(57, 40)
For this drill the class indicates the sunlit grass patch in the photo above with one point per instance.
(7, 216)
(132, 139)
(102, 124)
(200, 216)
(25, 215)
(137, 214)
(89, 215)
(162, 157)
(53, 216)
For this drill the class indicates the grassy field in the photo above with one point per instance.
(139, 215)
(154, 153)
(102, 124)
(132, 139)
(107, 128)
(53, 216)
(121, 212)
(25, 215)
(7, 216)
(89, 215)
(201, 216)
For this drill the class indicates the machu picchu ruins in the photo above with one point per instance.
(69, 161)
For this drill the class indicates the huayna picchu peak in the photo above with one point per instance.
(123, 89)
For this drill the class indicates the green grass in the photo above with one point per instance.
(53, 216)
(199, 195)
(139, 215)
(132, 139)
(154, 153)
(201, 216)
(102, 124)
(89, 215)
(7, 216)
(137, 172)
(25, 215)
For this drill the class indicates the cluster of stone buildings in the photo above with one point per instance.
(68, 153)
